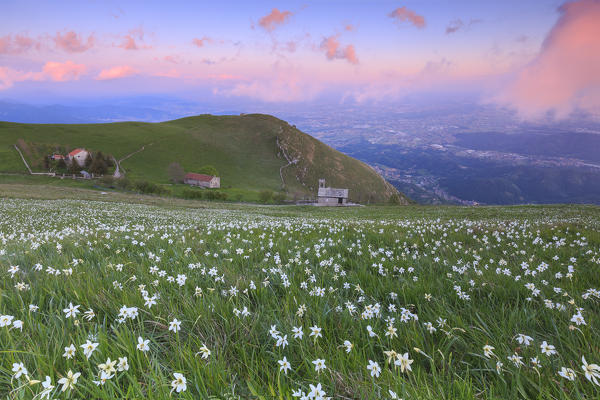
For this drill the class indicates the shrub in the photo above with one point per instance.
(176, 172)
(279, 197)
(265, 196)
(192, 194)
(123, 183)
(215, 195)
(107, 181)
(394, 199)
(147, 187)
(99, 163)
(203, 194)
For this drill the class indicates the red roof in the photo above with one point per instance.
(75, 152)
(198, 177)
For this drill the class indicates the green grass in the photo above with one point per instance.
(112, 247)
(242, 148)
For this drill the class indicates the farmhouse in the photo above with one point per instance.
(202, 180)
(57, 157)
(331, 196)
(79, 155)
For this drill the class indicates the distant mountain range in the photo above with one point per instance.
(435, 150)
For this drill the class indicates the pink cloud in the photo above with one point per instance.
(565, 74)
(202, 41)
(276, 18)
(117, 72)
(224, 77)
(172, 73)
(62, 72)
(133, 40)
(277, 89)
(4, 44)
(172, 59)
(7, 77)
(72, 42)
(403, 14)
(291, 46)
(350, 27)
(20, 44)
(128, 43)
(333, 50)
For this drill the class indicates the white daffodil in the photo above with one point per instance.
(567, 373)
(143, 344)
(175, 325)
(319, 364)
(122, 365)
(592, 371)
(69, 381)
(284, 365)
(71, 311)
(374, 368)
(69, 352)
(88, 348)
(403, 361)
(179, 384)
(19, 370)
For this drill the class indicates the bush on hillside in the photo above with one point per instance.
(147, 187)
(395, 199)
(279, 197)
(100, 163)
(176, 172)
(107, 181)
(203, 194)
(123, 183)
(265, 196)
(215, 195)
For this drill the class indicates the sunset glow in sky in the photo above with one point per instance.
(534, 56)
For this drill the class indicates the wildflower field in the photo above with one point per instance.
(114, 300)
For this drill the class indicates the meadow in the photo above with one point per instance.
(108, 299)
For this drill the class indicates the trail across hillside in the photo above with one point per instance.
(120, 170)
(288, 159)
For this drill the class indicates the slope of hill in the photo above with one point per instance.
(252, 152)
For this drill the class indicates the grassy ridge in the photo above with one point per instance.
(244, 149)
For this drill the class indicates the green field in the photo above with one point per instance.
(219, 293)
(247, 150)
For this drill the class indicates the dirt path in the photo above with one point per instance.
(119, 170)
(27, 165)
(135, 152)
(23, 158)
(288, 159)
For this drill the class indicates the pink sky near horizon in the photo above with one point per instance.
(296, 52)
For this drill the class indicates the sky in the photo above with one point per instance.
(534, 56)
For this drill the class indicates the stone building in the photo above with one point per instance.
(327, 196)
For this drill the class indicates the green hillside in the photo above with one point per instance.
(248, 151)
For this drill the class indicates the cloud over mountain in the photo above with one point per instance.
(565, 75)
(62, 72)
(117, 72)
